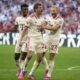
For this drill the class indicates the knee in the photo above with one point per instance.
(52, 56)
(44, 54)
(39, 59)
(29, 56)
(17, 56)
(24, 54)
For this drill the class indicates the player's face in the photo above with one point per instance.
(24, 11)
(54, 11)
(39, 10)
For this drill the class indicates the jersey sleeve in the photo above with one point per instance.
(61, 21)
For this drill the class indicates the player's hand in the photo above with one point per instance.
(27, 27)
(44, 25)
(39, 28)
(20, 43)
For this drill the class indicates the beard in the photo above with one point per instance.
(54, 15)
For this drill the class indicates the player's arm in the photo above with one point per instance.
(27, 25)
(52, 27)
(23, 34)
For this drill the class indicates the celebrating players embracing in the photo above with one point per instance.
(35, 35)
(53, 25)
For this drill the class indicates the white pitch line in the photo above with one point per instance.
(72, 68)
(56, 69)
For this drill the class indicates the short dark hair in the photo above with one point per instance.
(24, 5)
(36, 5)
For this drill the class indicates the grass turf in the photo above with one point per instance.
(67, 57)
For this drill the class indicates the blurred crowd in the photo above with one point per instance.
(69, 9)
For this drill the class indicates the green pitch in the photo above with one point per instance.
(67, 64)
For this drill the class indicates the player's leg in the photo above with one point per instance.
(36, 62)
(41, 51)
(53, 52)
(16, 58)
(22, 65)
(45, 48)
(40, 58)
(29, 52)
(45, 63)
(26, 56)
(35, 66)
(23, 57)
(33, 69)
(17, 55)
(51, 66)
(23, 54)
(31, 49)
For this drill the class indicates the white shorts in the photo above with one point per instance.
(53, 44)
(18, 49)
(36, 44)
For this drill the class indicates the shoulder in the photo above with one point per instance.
(32, 15)
(59, 18)
(18, 18)
(28, 18)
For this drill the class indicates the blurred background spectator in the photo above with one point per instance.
(69, 9)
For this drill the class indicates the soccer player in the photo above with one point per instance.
(20, 23)
(21, 50)
(35, 35)
(53, 26)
